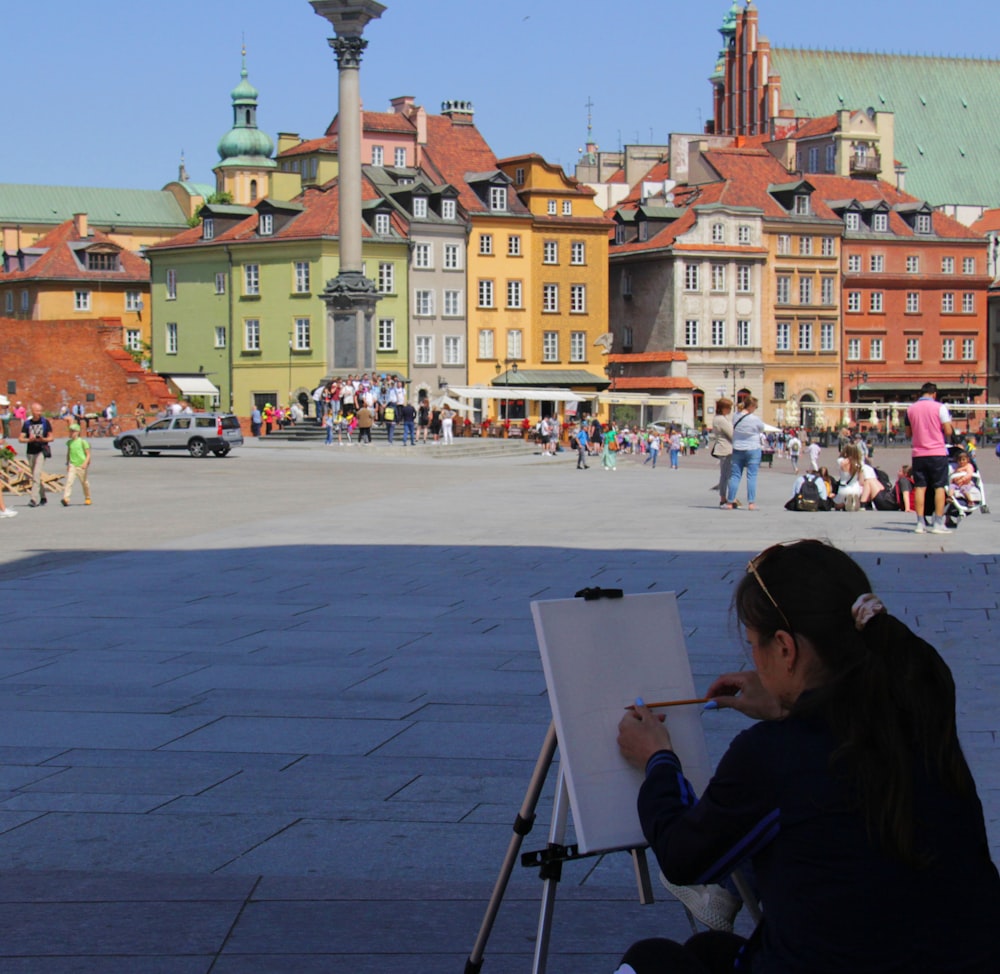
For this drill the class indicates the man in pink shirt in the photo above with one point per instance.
(928, 426)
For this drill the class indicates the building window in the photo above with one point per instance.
(302, 277)
(947, 302)
(744, 233)
(853, 349)
(486, 243)
(743, 333)
(514, 343)
(133, 301)
(692, 278)
(880, 222)
(171, 337)
(578, 299)
(912, 349)
(420, 207)
(876, 263)
(519, 175)
(451, 257)
(743, 277)
(805, 336)
(302, 329)
(852, 221)
(690, 332)
(485, 294)
(805, 246)
(550, 346)
(831, 157)
(551, 207)
(718, 277)
(827, 246)
(251, 335)
(854, 301)
(9, 302)
(171, 285)
(783, 336)
(578, 252)
(207, 228)
(784, 243)
(780, 390)
(718, 233)
(486, 343)
(452, 304)
(133, 339)
(619, 233)
(220, 336)
(577, 346)
(81, 300)
(424, 350)
(422, 255)
(382, 224)
(912, 302)
(826, 288)
(875, 350)
(968, 349)
(251, 279)
(514, 245)
(498, 198)
(718, 331)
(567, 208)
(801, 205)
(386, 277)
(854, 264)
(923, 223)
(947, 265)
(399, 154)
(913, 264)
(220, 282)
(948, 349)
(968, 303)
(550, 252)
(875, 302)
(814, 158)
(627, 338)
(102, 262)
(378, 155)
(826, 336)
(423, 303)
(266, 224)
(805, 290)
(452, 350)
(968, 265)
(447, 209)
(514, 295)
(550, 297)
(784, 289)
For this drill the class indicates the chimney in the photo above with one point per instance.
(403, 105)
(11, 240)
(80, 224)
(288, 140)
(460, 112)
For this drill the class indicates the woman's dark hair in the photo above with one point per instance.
(887, 695)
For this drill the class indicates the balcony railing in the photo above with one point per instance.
(868, 164)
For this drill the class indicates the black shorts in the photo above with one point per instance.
(930, 472)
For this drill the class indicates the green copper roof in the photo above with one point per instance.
(25, 203)
(245, 144)
(947, 130)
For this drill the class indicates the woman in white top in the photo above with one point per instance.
(747, 431)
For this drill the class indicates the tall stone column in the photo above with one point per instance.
(350, 297)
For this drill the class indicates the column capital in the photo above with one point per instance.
(348, 17)
(348, 51)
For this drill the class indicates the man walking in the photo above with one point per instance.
(928, 426)
(654, 448)
(36, 432)
(582, 438)
(794, 451)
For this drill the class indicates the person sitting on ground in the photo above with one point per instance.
(803, 498)
(851, 796)
(829, 482)
(857, 480)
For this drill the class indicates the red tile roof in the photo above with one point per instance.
(815, 127)
(990, 220)
(326, 144)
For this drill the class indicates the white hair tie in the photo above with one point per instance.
(865, 608)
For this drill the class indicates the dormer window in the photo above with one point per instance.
(620, 233)
(102, 262)
(923, 223)
(382, 224)
(801, 207)
(498, 198)
(207, 228)
(266, 224)
(852, 221)
(420, 207)
(447, 209)
(880, 222)
(644, 231)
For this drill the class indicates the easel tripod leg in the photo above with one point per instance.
(522, 826)
(557, 836)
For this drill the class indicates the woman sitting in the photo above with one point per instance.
(851, 797)
(859, 483)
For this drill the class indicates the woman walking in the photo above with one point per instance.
(747, 430)
(722, 445)
(609, 448)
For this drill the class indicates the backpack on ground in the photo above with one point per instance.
(808, 497)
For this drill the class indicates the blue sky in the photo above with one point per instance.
(109, 94)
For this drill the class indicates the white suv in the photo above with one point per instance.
(198, 433)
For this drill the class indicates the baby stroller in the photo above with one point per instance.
(963, 500)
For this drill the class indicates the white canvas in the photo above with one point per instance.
(598, 657)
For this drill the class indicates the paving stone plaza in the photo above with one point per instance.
(276, 713)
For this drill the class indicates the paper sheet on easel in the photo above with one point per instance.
(598, 657)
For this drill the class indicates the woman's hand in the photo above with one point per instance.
(744, 692)
(641, 733)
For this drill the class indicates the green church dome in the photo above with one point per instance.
(244, 143)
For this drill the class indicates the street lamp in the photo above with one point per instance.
(289, 368)
(737, 371)
(968, 379)
(512, 366)
(858, 378)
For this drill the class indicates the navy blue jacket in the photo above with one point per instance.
(833, 903)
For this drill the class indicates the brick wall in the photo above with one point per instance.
(56, 362)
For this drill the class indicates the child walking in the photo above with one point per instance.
(77, 464)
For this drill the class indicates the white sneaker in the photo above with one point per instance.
(8, 513)
(919, 529)
(938, 528)
(713, 905)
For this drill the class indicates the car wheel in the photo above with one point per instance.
(197, 447)
(222, 450)
(130, 447)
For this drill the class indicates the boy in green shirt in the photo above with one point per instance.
(77, 463)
